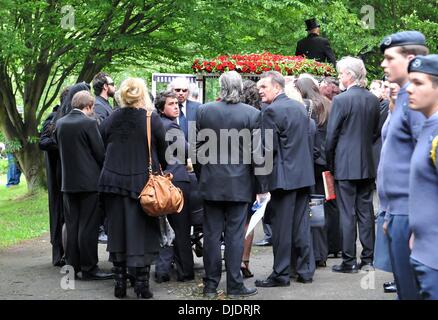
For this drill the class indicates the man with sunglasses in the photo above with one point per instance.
(104, 89)
(187, 107)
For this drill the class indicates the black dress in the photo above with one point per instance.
(133, 236)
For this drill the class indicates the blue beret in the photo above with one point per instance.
(402, 39)
(425, 64)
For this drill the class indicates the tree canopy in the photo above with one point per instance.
(47, 44)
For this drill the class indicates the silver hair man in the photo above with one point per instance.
(355, 68)
(231, 87)
(276, 77)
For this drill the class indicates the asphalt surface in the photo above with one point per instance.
(26, 273)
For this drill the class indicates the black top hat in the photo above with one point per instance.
(311, 24)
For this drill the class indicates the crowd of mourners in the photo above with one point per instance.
(382, 140)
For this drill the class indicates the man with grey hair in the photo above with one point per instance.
(288, 182)
(226, 182)
(193, 92)
(82, 151)
(187, 108)
(354, 67)
(351, 128)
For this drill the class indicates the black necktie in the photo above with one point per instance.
(183, 121)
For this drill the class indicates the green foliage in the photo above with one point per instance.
(22, 216)
(3, 166)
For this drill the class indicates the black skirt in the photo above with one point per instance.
(133, 236)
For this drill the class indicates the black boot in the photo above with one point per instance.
(119, 281)
(142, 283)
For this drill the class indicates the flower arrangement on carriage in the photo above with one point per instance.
(256, 64)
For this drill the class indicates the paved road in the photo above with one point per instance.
(26, 273)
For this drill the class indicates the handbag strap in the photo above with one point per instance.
(148, 134)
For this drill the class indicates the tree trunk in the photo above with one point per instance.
(31, 160)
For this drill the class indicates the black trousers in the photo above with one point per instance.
(182, 247)
(56, 214)
(333, 227)
(228, 217)
(291, 238)
(355, 203)
(82, 222)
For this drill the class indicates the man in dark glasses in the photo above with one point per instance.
(187, 107)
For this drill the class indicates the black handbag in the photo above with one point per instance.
(316, 210)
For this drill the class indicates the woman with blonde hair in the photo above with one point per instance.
(133, 236)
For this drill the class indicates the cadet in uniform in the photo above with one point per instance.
(403, 130)
(423, 180)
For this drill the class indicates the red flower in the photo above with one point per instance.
(257, 63)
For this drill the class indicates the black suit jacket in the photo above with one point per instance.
(292, 155)
(102, 109)
(351, 128)
(81, 150)
(191, 109)
(316, 47)
(232, 180)
(177, 141)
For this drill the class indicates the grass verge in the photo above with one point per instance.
(22, 216)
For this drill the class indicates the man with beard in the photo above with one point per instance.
(104, 88)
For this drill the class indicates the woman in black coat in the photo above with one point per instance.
(167, 105)
(327, 239)
(133, 236)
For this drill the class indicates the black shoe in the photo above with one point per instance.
(321, 264)
(302, 280)
(344, 268)
(269, 283)
(389, 287)
(263, 243)
(96, 274)
(159, 278)
(60, 263)
(185, 278)
(142, 290)
(244, 292)
(209, 293)
(366, 266)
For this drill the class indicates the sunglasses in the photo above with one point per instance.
(181, 90)
(111, 84)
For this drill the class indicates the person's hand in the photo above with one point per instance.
(261, 197)
(411, 241)
(385, 227)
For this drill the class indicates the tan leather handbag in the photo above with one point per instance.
(159, 196)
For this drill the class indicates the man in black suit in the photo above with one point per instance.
(82, 153)
(104, 89)
(181, 252)
(314, 46)
(353, 123)
(289, 182)
(226, 182)
(187, 107)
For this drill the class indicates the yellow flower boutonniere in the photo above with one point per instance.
(433, 150)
